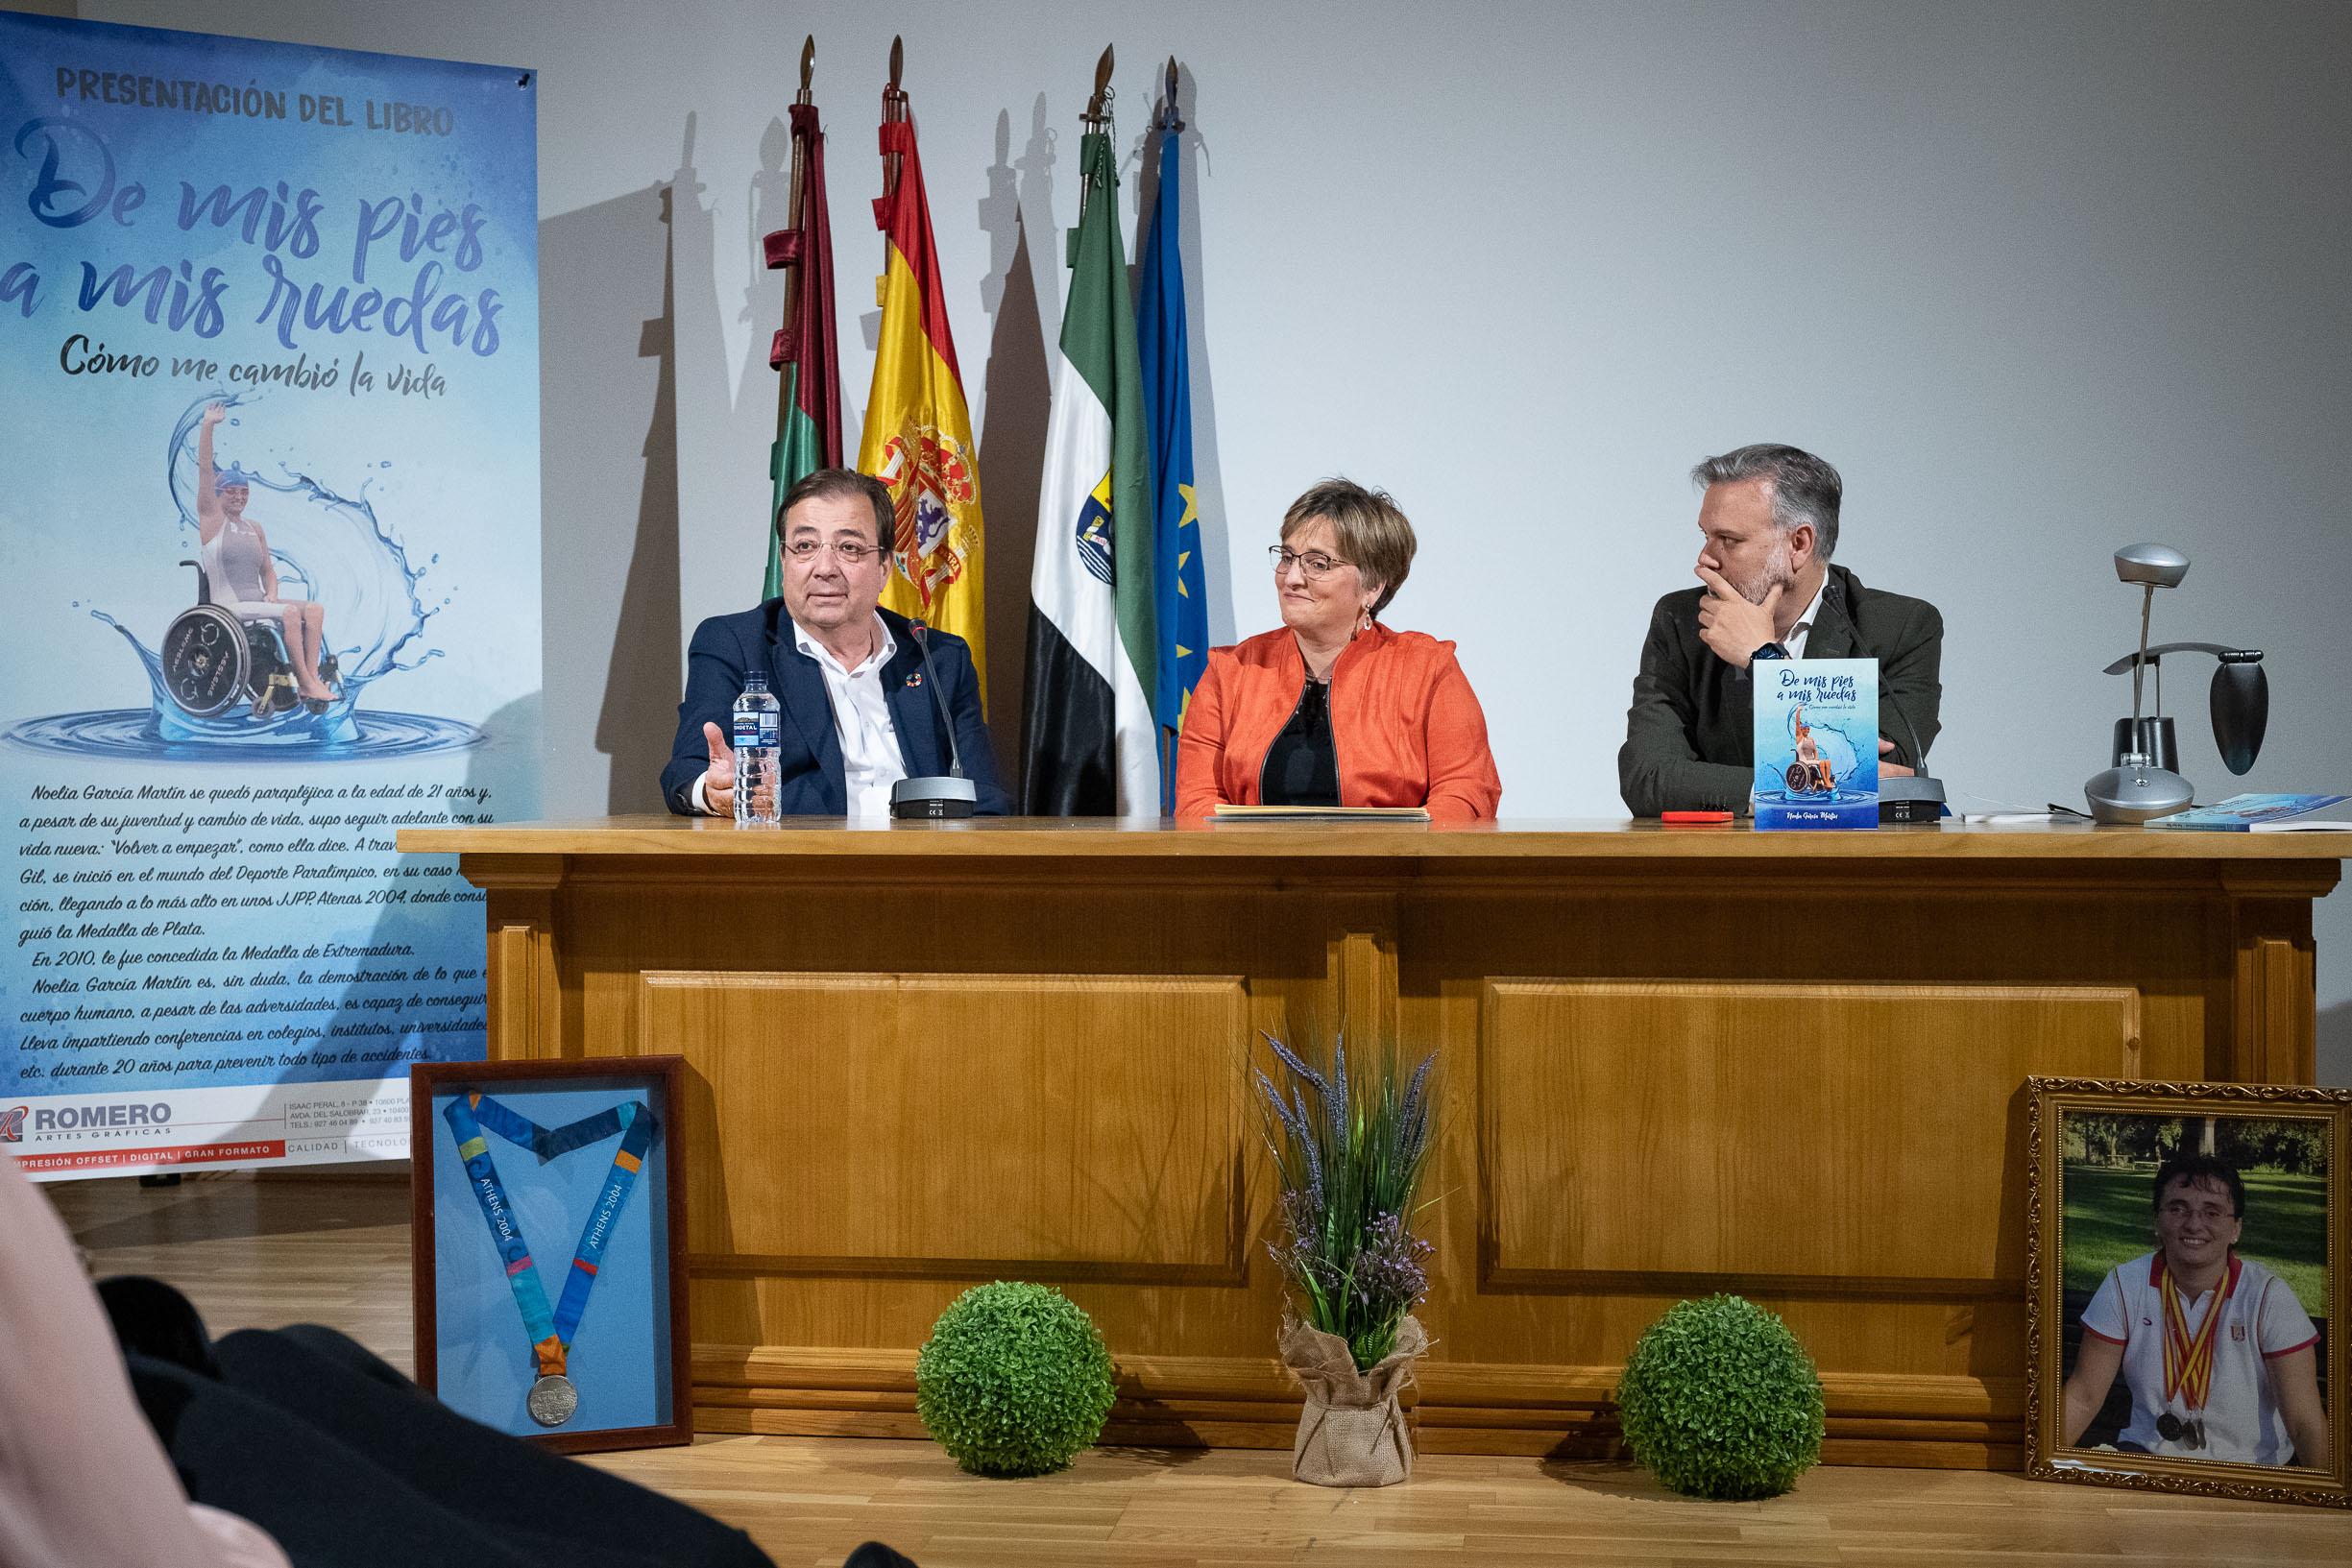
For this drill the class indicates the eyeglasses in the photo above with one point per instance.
(1314, 562)
(849, 552)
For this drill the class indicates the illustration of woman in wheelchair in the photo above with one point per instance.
(242, 641)
(1810, 774)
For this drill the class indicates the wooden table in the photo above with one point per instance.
(1676, 1062)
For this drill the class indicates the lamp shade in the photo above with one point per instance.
(2241, 709)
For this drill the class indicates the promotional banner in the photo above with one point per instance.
(269, 349)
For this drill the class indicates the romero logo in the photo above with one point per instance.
(76, 1118)
(12, 1125)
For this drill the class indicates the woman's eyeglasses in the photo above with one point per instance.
(1314, 562)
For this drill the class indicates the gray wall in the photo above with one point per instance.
(2041, 277)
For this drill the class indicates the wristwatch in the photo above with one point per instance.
(1771, 650)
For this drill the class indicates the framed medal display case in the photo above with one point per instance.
(2188, 1262)
(548, 1204)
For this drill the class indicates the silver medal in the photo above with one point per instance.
(551, 1400)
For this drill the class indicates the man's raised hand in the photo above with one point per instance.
(718, 783)
(1732, 627)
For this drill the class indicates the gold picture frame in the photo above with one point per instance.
(2107, 1136)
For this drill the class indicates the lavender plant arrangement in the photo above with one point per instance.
(1348, 1155)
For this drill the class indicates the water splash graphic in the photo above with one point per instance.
(326, 547)
(1840, 750)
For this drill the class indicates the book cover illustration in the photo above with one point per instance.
(1816, 743)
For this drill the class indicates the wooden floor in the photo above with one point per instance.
(334, 1249)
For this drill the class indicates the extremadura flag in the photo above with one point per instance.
(1091, 745)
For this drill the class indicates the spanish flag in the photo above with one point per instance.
(918, 437)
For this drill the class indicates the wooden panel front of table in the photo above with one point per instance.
(1675, 1062)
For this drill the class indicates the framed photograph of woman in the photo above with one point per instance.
(2186, 1256)
(549, 1231)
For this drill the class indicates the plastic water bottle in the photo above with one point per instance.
(757, 721)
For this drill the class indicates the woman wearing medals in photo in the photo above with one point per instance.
(2222, 1361)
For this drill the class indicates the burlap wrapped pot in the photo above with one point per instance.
(1352, 1432)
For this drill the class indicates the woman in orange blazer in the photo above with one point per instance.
(1334, 709)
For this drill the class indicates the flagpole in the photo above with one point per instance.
(918, 432)
(893, 110)
(1168, 123)
(1167, 120)
(1087, 728)
(1098, 114)
(786, 389)
(1098, 108)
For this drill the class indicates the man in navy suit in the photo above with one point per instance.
(858, 711)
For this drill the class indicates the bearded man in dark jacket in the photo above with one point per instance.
(1768, 527)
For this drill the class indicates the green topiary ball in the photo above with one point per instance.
(1013, 1380)
(1720, 1401)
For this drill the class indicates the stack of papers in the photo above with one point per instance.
(1310, 813)
(2266, 815)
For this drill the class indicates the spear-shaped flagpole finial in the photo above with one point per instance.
(1098, 108)
(1169, 120)
(808, 65)
(893, 110)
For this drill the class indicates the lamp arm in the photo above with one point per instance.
(2227, 656)
(2139, 665)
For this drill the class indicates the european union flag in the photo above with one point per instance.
(1179, 586)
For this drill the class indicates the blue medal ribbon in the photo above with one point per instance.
(472, 1114)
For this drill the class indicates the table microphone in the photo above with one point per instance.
(1919, 798)
(953, 795)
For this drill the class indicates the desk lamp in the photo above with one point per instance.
(2144, 781)
(2136, 789)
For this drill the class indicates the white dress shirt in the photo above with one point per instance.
(1794, 641)
(871, 761)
